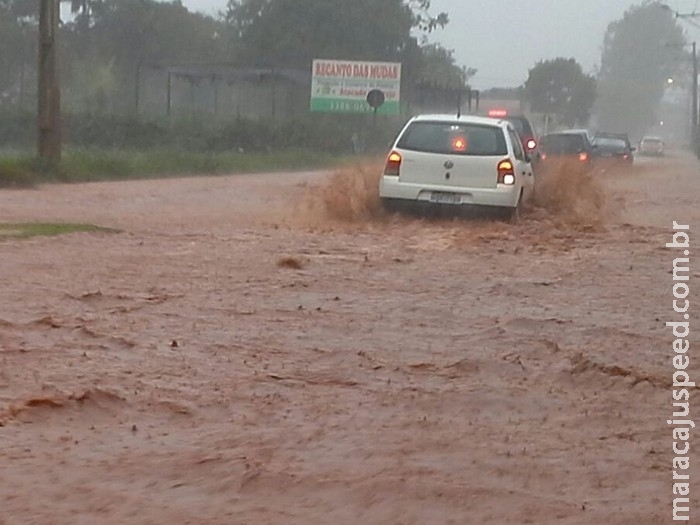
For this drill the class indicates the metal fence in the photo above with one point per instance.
(220, 91)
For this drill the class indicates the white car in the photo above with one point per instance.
(457, 161)
(651, 146)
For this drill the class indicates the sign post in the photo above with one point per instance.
(375, 99)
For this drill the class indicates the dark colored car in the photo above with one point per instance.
(573, 147)
(522, 127)
(614, 147)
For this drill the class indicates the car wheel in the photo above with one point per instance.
(512, 215)
(390, 206)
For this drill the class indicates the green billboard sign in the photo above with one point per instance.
(341, 86)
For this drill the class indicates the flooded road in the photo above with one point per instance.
(246, 349)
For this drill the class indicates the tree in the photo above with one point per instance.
(83, 9)
(109, 39)
(20, 8)
(294, 32)
(423, 20)
(640, 51)
(560, 87)
(438, 64)
(17, 48)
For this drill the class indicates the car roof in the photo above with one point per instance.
(610, 134)
(618, 138)
(567, 132)
(575, 132)
(466, 119)
(521, 118)
(651, 137)
(522, 121)
(511, 117)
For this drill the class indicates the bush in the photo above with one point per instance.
(84, 165)
(17, 172)
(327, 133)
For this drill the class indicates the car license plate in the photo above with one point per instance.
(445, 198)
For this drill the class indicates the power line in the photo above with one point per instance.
(688, 17)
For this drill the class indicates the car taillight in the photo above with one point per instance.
(506, 174)
(543, 156)
(583, 157)
(393, 164)
(531, 144)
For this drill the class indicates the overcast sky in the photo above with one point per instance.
(503, 39)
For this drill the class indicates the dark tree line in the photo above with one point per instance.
(104, 42)
(640, 51)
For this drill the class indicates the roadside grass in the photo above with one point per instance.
(47, 229)
(23, 170)
(17, 171)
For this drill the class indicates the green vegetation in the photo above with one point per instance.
(327, 133)
(22, 170)
(364, 29)
(150, 89)
(113, 147)
(36, 229)
(106, 43)
(560, 87)
(19, 171)
(640, 51)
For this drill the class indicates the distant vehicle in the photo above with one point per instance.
(570, 145)
(612, 135)
(613, 147)
(522, 126)
(651, 145)
(589, 134)
(454, 162)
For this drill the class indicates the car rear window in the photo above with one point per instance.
(651, 141)
(611, 143)
(562, 143)
(617, 136)
(456, 138)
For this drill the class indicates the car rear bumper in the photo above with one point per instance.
(425, 208)
(502, 196)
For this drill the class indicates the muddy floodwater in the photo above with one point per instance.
(268, 349)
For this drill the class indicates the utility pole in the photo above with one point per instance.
(137, 87)
(49, 93)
